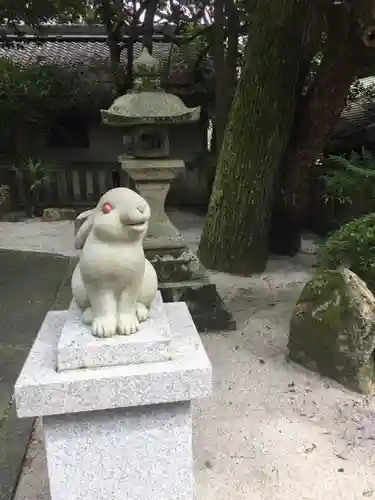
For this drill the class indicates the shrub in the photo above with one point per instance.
(4, 199)
(342, 188)
(348, 179)
(35, 94)
(4, 193)
(352, 246)
(32, 175)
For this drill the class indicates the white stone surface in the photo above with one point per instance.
(78, 348)
(40, 390)
(137, 454)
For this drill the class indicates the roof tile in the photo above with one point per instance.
(84, 54)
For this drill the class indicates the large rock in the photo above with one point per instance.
(332, 330)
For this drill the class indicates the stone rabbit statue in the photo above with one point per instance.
(113, 283)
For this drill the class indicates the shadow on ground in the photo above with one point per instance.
(30, 285)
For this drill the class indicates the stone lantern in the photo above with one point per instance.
(146, 113)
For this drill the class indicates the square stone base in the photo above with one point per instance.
(78, 348)
(121, 454)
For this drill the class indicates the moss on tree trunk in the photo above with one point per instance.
(235, 236)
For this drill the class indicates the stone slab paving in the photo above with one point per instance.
(31, 284)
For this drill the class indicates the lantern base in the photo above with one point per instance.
(183, 278)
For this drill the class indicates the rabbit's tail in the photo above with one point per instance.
(79, 290)
(149, 286)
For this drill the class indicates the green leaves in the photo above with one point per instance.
(352, 246)
(35, 12)
(36, 94)
(36, 171)
(348, 179)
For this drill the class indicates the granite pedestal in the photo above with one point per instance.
(117, 430)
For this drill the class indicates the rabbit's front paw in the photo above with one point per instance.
(104, 326)
(127, 324)
(87, 316)
(142, 312)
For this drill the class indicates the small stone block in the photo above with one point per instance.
(174, 268)
(58, 214)
(78, 348)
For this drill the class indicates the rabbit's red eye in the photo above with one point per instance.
(107, 208)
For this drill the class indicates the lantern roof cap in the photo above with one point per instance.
(147, 102)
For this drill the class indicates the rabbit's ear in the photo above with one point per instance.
(80, 219)
(83, 232)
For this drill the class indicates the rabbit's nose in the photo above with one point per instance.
(140, 208)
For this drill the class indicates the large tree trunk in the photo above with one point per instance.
(226, 19)
(115, 55)
(235, 236)
(113, 29)
(23, 174)
(317, 115)
(148, 24)
(231, 59)
(219, 62)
